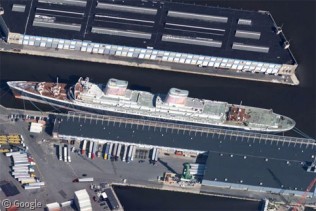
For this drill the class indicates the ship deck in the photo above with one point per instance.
(212, 31)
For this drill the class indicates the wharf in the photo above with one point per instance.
(107, 59)
(59, 188)
(160, 35)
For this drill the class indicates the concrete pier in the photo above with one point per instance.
(167, 66)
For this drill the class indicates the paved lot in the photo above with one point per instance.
(58, 175)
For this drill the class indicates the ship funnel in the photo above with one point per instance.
(286, 45)
(116, 87)
(176, 96)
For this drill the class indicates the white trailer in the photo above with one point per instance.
(118, 151)
(30, 187)
(68, 148)
(86, 179)
(153, 155)
(110, 151)
(8, 154)
(17, 156)
(124, 153)
(22, 164)
(24, 178)
(37, 184)
(90, 149)
(24, 170)
(65, 154)
(20, 160)
(114, 150)
(24, 175)
(156, 156)
(60, 152)
(30, 180)
(129, 154)
(19, 173)
(133, 153)
(20, 167)
(94, 150)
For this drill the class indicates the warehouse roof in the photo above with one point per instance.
(184, 28)
(274, 163)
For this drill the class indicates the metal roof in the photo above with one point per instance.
(175, 27)
(264, 169)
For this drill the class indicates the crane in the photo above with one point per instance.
(303, 198)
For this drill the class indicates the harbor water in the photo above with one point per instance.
(298, 102)
(146, 199)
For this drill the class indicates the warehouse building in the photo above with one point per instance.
(163, 32)
(236, 160)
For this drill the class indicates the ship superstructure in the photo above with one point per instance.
(116, 98)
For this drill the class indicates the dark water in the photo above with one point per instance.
(164, 200)
(298, 19)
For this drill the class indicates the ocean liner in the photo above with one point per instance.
(115, 98)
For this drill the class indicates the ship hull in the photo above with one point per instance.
(69, 105)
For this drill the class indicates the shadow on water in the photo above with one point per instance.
(148, 199)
